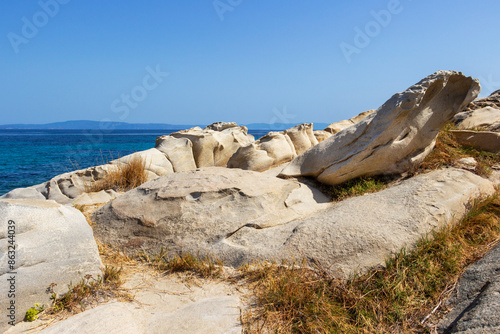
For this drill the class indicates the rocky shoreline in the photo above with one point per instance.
(219, 191)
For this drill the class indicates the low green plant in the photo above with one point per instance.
(356, 187)
(32, 313)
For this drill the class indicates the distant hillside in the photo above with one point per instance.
(95, 125)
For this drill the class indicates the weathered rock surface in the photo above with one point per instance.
(491, 101)
(481, 119)
(103, 196)
(321, 135)
(302, 137)
(274, 149)
(54, 244)
(362, 232)
(482, 140)
(67, 187)
(394, 139)
(214, 148)
(162, 304)
(339, 126)
(179, 151)
(192, 211)
(240, 216)
(476, 303)
(270, 150)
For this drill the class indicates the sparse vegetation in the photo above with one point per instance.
(447, 151)
(89, 289)
(394, 299)
(121, 177)
(356, 187)
(32, 313)
(207, 266)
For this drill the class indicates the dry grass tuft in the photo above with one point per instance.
(394, 299)
(206, 267)
(88, 291)
(122, 177)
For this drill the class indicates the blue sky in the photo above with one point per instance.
(197, 62)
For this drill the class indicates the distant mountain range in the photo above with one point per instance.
(95, 125)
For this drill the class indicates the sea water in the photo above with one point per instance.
(30, 157)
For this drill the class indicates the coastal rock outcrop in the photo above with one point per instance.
(193, 210)
(362, 232)
(394, 139)
(242, 216)
(270, 150)
(482, 140)
(54, 244)
(339, 126)
(492, 101)
(274, 149)
(487, 119)
(215, 148)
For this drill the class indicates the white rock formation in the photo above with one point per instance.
(394, 139)
(481, 140)
(487, 118)
(339, 126)
(194, 210)
(53, 244)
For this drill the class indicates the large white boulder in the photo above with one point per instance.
(53, 243)
(362, 232)
(193, 210)
(394, 139)
(486, 118)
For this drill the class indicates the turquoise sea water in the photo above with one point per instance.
(29, 157)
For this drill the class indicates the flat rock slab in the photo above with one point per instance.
(476, 304)
(193, 210)
(482, 140)
(163, 304)
(362, 232)
(53, 244)
(242, 216)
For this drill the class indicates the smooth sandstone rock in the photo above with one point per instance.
(54, 244)
(321, 135)
(103, 196)
(278, 146)
(179, 151)
(214, 148)
(491, 101)
(481, 119)
(191, 211)
(251, 157)
(274, 149)
(482, 140)
(154, 161)
(302, 137)
(339, 126)
(161, 305)
(394, 139)
(362, 232)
